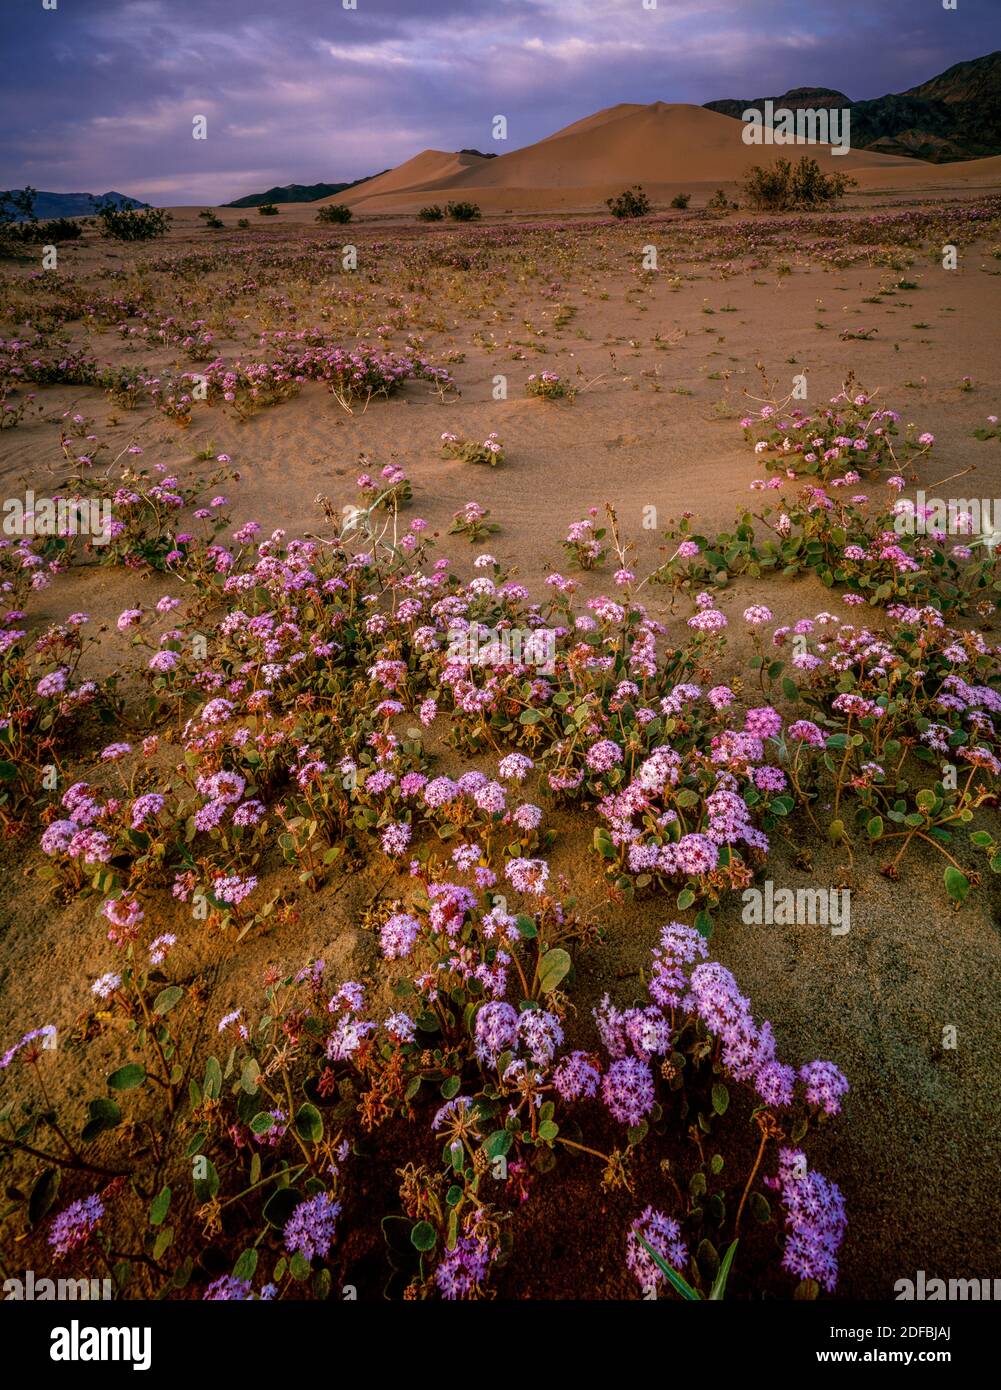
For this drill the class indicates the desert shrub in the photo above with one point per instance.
(681, 200)
(212, 222)
(336, 212)
(132, 224)
(633, 202)
(783, 187)
(267, 210)
(243, 223)
(56, 229)
(719, 202)
(463, 212)
(432, 213)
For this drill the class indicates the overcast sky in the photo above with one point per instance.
(100, 94)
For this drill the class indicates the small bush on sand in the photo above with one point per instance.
(784, 188)
(336, 212)
(432, 213)
(633, 202)
(463, 212)
(136, 224)
(56, 229)
(681, 200)
(268, 210)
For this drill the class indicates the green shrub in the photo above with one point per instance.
(432, 213)
(336, 212)
(211, 220)
(56, 229)
(243, 222)
(135, 224)
(463, 212)
(633, 202)
(268, 210)
(783, 188)
(681, 200)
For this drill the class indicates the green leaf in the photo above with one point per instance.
(43, 1194)
(246, 1266)
(721, 1099)
(555, 965)
(128, 1077)
(212, 1084)
(957, 885)
(707, 1259)
(167, 998)
(159, 1207)
(163, 1242)
(423, 1237)
(280, 1206)
(104, 1115)
(309, 1124)
(450, 1087)
(704, 924)
(719, 1283)
(760, 1208)
(603, 843)
(498, 1143)
(207, 1186)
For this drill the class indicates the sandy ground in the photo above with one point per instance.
(661, 363)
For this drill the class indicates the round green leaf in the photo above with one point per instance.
(423, 1237)
(128, 1077)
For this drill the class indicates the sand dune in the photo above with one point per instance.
(429, 169)
(665, 147)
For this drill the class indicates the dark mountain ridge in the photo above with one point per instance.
(956, 115)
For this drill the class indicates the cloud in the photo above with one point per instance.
(102, 94)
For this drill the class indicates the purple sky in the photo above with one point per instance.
(100, 94)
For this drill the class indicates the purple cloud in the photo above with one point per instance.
(103, 95)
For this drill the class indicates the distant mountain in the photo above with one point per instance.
(76, 204)
(297, 193)
(956, 115)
